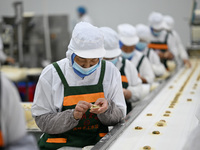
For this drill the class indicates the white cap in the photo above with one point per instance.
(143, 32)
(127, 34)
(169, 21)
(87, 41)
(111, 42)
(156, 21)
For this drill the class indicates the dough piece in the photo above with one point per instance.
(147, 148)
(167, 111)
(166, 115)
(138, 128)
(149, 114)
(155, 132)
(94, 106)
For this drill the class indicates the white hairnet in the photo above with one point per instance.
(87, 41)
(156, 21)
(111, 42)
(169, 21)
(143, 32)
(127, 34)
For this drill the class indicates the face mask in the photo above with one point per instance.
(128, 55)
(155, 33)
(114, 61)
(141, 46)
(85, 71)
(120, 44)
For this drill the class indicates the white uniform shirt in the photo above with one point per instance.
(170, 42)
(49, 93)
(145, 69)
(134, 82)
(12, 116)
(181, 50)
(157, 66)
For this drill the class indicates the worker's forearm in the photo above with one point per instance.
(56, 123)
(112, 116)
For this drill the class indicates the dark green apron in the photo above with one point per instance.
(125, 84)
(89, 129)
(162, 49)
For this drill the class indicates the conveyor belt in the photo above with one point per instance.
(176, 104)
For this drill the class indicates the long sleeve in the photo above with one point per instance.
(113, 88)
(172, 45)
(56, 123)
(112, 116)
(157, 66)
(182, 51)
(13, 120)
(146, 71)
(135, 83)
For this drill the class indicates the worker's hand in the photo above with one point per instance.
(187, 63)
(103, 103)
(168, 55)
(127, 94)
(10, 60)
(81, 108)
(143, 79)
(160, 54)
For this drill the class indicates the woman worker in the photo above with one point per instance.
(160, 41)
(128, 40)
(143, 32)
(132, 84)
(13, 135)
(67, 89)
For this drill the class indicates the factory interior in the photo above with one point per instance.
(163, 114)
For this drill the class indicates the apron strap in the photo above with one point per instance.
(140, 62)
(148, 53)
(61, 75)
(166, 38)
(123, 66)
(103, 66)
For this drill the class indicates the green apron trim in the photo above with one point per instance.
(140, 62)
(148, 53)
(125, 84)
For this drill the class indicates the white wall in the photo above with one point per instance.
(112, 12)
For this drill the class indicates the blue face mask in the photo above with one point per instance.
(120, 44)
(82, 72)
(141, 46)
(114, 61)
(155, 33)
(128, 55)
(85, 71)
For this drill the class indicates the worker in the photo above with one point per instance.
(182, 54)
(3, 57)
(67, 90)
(132, 84)
(83, 15)
(128, 40)
(143, 33)
(162, 42)
(13, 135)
